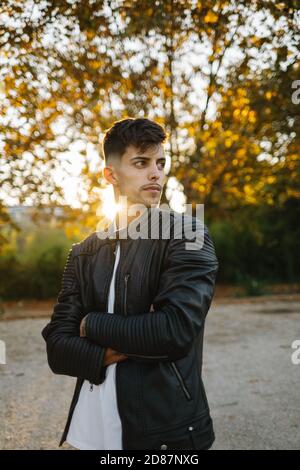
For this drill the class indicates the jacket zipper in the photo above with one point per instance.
(125, 313)
(125, 295)
(181, 381)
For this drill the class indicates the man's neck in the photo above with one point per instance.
(123, 219)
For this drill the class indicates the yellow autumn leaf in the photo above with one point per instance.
(241, 153)
(211, 144)
(241, 92)
(252, 116)
(211, 17)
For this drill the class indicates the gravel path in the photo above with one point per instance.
(251, 383)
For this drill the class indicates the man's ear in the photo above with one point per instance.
(110, 174)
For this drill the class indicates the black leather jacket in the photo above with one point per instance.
(160, 394)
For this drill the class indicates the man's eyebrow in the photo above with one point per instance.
(145, 158)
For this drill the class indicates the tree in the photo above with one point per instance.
(202, 69)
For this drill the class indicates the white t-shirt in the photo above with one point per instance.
(96, 423)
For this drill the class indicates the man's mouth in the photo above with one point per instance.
(153, 188)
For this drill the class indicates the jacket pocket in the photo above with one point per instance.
(144, 356)
(176, 371)
(201, 438)
(194, 434)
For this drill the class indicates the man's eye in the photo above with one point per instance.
(162, 165)
(139, 164)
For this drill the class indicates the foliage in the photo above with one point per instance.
(31, 264)
(218, 75)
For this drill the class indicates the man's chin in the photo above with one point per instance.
(147, 203)
(151, 204)
(152, 201)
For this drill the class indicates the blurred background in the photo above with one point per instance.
(221, 76)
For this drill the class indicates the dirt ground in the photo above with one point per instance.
(12, 310)
(251, 383)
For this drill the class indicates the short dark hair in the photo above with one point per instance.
(140, 132)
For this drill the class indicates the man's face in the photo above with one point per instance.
(137, 172)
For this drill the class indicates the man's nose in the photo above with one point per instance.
(154, 173)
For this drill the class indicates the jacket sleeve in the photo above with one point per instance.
(67, 352)
(184, 295)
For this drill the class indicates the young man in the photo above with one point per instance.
(129, 319)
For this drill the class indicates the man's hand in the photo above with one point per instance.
(82, 327)
(112, 356)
